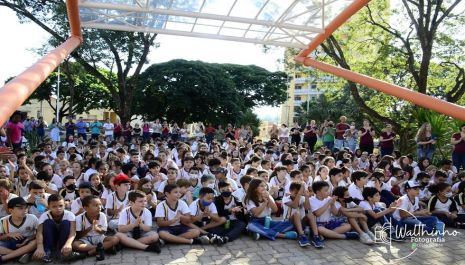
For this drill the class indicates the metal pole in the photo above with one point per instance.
(308, 96)
(58, 96)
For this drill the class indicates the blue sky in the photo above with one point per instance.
(17, 54)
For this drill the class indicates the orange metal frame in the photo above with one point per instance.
(441, 106)
(14, 93)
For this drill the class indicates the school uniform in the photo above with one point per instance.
(33, 208)
(404, 203)
(448, 206)
(365, 205)
(113, 202)
(166, 212)
(27, 229)
(127, 217)
(92, 237)
(326, 219)
(237, 222)
(20, 189)
(257, 223)
(55, 234)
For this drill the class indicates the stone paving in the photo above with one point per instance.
(247, 251)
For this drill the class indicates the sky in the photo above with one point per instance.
(16, 54)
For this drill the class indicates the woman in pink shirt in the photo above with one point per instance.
(14, 131)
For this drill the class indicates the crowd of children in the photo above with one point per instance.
(79, 199)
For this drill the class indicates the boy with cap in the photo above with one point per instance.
(408, 211)
(118, 200)
(17, 232)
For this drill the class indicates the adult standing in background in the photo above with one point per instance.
(295, 134)
(426, 141)
(14, 130)
(274, 132)
(341, 128)
(386, 141)
(458, 155)
(156, 129)
(311, 135)
(366, 134)
(95, 128)
(41, 128)
(117, 129)
(284, 134)
(81, 127)
(70, 127)
(109, 129)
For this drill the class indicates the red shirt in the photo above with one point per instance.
(387, 144)
(15, 131)
(367, 138)
(311, 134)
(343, 127)
(460, 147)
(210, 130)
(117, 128)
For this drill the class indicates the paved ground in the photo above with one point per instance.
(247, 251)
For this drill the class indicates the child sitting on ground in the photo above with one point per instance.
(91, 227)
(323, 208)
(17, 232)
(135, 225)
(173, 218)
(261, 205)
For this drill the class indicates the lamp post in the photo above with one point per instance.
(58, 96)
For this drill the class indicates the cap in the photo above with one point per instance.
(16, 202)
(412, 184)
(71, 145)
(85, 185)
(121, 178)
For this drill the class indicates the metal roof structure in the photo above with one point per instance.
(288, 23)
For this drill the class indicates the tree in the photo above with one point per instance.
(196, 91)
(79, 91)
(122, 52)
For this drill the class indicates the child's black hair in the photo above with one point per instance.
(245, 180)
(86, 201)
(168, 188)
(318, 185)
(422, 175)
(295, 186)
(357, 175)
(206, 190)
(334, 171)
(251, 170)
(223, 184)
(153, 164)
(440, 174)
(205, 178)
(54, 198)
(339, 191)
(396, 170)
(133, 195)
(67, 178)
(438, 187)
(369, 192)
(294, 173)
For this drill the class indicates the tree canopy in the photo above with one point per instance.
(191, 91)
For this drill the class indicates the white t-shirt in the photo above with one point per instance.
(367, 206)
(127, 217)
(68, 216)
(288, 211)
(56, 183)
(83, 223)
(156, 184)
(240, 194)
(76, 205)
(316, 204)
(355, 192)
(196, 210)
(22, 191)
(236, 176)
(113, 202)
(405, 204)
(162, 186)
(230, 205)
(164, 211)
(266, 212)
(27, 228)
(108, 128)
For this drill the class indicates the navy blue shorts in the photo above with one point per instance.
(332, 224)
(11, 244)
(175, 230)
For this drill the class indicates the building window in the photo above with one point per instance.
(296, 108)
(297, 98)
(313, 86)
(298, 87)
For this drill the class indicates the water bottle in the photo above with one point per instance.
(227, 225)
(39, 206)
(267, 222)
(440, 229)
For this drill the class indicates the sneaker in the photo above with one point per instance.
(217, 240)
(155, 247)
(352, 235)
(226, 239)
(73, 256)
(255, 236)
(303, 241)
(47, 258)
(100, 252)
(204, 240)
(25, 258)
(290, 235)
(371, 235)
(365, 239)
(317, 242)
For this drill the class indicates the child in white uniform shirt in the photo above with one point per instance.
(91, 226)
(117, 200)
(359, 180)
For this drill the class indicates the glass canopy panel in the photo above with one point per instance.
(290, 23)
